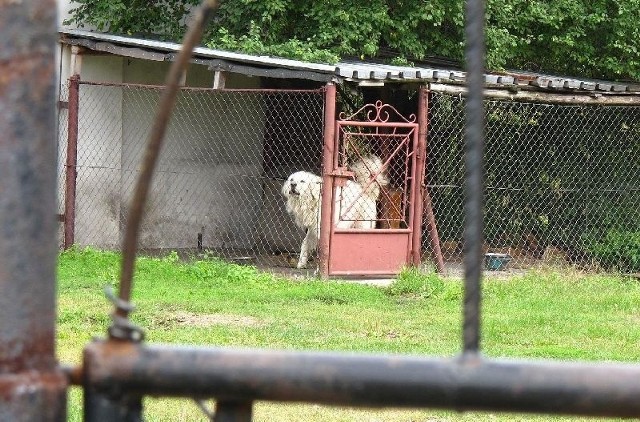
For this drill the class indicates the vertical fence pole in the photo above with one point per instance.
(474, 174)
(233, 411)
(327, 180)
(424, 205)
(71, 169)
(32, 387)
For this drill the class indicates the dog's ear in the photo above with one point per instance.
(314, 190)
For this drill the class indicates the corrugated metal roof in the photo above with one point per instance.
(357, 71)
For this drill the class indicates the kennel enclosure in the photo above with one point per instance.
(562, 181)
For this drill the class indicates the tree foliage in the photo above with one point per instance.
(588, 38)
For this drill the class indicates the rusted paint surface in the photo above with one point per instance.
(465, 383)
(327, 180)
(33, 396)
(27, 177)
(72, 161)
(31, 386)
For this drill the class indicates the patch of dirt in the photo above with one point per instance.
(206, 320)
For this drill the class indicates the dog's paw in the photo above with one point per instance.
(301, 265)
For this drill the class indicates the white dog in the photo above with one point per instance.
(355, 203)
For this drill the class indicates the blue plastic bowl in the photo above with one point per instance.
(496, 261)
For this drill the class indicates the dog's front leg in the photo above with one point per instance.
(305, 249)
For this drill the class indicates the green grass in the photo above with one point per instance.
(541, 314)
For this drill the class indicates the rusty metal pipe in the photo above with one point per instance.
(152, 151)
(31, 386)
(328, 152)
(465, 383)
(71, 166)
(473, 175)
(425, 207)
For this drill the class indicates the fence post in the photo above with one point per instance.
(71, 169)
(424, 207)
(327, 180)
(32, 387)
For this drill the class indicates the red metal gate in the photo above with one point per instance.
(375, 178)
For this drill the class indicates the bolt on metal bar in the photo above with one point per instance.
(474, 177)
(156, 137)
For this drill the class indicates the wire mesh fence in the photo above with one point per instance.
(562, 182)
(218, 181)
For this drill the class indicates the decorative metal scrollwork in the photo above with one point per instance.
(378, 112)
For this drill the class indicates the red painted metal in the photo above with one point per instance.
(380, 251)
(32, 388)
(71, 167)
(327, 180)
(425, 209)
(369, 252)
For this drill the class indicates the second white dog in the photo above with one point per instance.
(355, 203)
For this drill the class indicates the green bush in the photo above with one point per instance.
(618, 250)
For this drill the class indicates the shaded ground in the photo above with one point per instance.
(284, 264)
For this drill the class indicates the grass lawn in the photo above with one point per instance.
(542, 314)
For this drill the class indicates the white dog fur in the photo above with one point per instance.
(355, 203)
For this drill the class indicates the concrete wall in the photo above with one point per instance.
(208, 178)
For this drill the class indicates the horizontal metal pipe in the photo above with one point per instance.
(525, 93)
(469, 382)
(210, 90)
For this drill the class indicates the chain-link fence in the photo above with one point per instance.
(218, 181)
(562, 182)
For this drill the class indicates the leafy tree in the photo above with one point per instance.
(588, 38)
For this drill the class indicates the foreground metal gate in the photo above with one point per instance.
(382, 243)
(119, 371)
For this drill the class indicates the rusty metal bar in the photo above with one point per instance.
(426, 207)
(31, 386)
(208, 90)
(464, 383)
(474, 176)
(327, 179)
(154, 144)
(71, 166)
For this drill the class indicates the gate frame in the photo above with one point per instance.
(401, 238)
(423, 212)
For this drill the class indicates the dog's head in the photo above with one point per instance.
(368, 168)
(302, 184)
